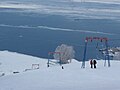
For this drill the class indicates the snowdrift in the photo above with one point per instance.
(72, 77)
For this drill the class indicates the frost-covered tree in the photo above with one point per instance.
(67, 53)
(117, 54)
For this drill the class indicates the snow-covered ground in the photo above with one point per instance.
(14, 62)
(72, 77)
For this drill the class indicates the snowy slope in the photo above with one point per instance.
(72, 77)
(14, 62)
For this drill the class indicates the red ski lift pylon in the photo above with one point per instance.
(102, 39)
(51, 53)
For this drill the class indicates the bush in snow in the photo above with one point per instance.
(66, 53)
(2, 74)
(117, 54)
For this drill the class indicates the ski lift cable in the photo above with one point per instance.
(70, 43)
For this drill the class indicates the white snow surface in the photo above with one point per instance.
(72, 77)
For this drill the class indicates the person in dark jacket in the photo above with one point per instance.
(94, 63)
(91, 63)
(62, 67)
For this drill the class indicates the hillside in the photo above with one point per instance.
(72, 77)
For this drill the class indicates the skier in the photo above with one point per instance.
(62, 67)
(94, 63)
(91, 63)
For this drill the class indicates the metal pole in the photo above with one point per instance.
(107, 54)
(84, 57)
(105, 60)
(48, 61)
(60, 58)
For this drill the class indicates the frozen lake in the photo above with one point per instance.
(37, 27)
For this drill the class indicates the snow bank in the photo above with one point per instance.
(72, 77)
(14, 62)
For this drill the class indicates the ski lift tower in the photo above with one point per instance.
(101, 39)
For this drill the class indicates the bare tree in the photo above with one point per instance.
(66, 53)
